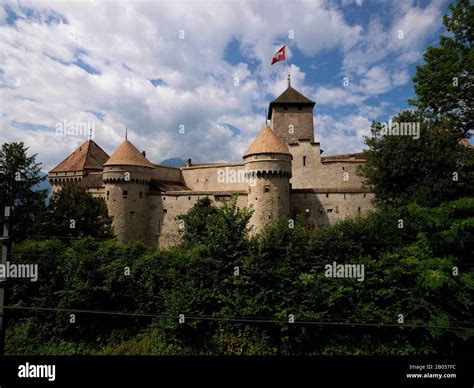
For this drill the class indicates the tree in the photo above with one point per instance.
(19, 174)
(445, 83)
(73, 212)
(428, 171)
(196, 221)
(223, 229)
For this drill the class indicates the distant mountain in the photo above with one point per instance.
(173, 162)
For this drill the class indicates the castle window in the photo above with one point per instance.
(269, 216)
(165, 210)
(327, 195)
(304, 160)
(358, 210)
(107, 193)
(140, 194)
(266, 189)
(329, 210)
(132, 212)
(124, 193)
(364, 195)
(189, 198)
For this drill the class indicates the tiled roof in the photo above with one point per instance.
(128, 155)
(289, 97)
(267, 142)
(88, 156)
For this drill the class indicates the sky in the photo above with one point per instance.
(192, 79)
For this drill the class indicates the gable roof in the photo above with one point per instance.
(128, 155)
(89, 156)
(289, 97)
(267, 142)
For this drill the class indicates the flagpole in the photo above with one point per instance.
(287, 68)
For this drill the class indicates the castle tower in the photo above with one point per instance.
(268, 166)
(292, 120)
(84, 167)
(291, 115)
(127, 177)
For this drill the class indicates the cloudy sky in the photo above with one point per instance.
(157, 68)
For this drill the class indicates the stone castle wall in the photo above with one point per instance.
(215, 177)
(291, 123)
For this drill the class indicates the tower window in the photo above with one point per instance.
(327, 195)
(304, 160)
(140, 194)
(364, 195)
(107, 193)
(124, 193)
(266, 189)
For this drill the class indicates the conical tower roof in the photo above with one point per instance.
(267, 142)
(128, 155)
(89, 156)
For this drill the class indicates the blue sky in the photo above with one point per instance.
(158, 67)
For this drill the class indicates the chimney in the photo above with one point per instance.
(144, 153)
(188, 163)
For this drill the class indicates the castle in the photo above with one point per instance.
(282, 175)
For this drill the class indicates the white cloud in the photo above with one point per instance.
(130, 44)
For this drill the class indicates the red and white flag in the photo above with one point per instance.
(280, 55)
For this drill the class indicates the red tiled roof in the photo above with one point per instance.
(128, 155)
(89, 156)
(267, 142)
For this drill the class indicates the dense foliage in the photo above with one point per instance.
(73, 211)
(430, 170)
(408, 271)
(444, 84)
(19, 174)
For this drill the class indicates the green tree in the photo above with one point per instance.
(430, 170)
(444, 85)
(19, 174)
(73, 212)
(222, 228)
(196, 221)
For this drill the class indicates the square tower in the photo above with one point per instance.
(291, 115)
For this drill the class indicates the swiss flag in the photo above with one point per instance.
(280, 55)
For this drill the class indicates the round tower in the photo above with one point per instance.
(268, 167)
(127, 177)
